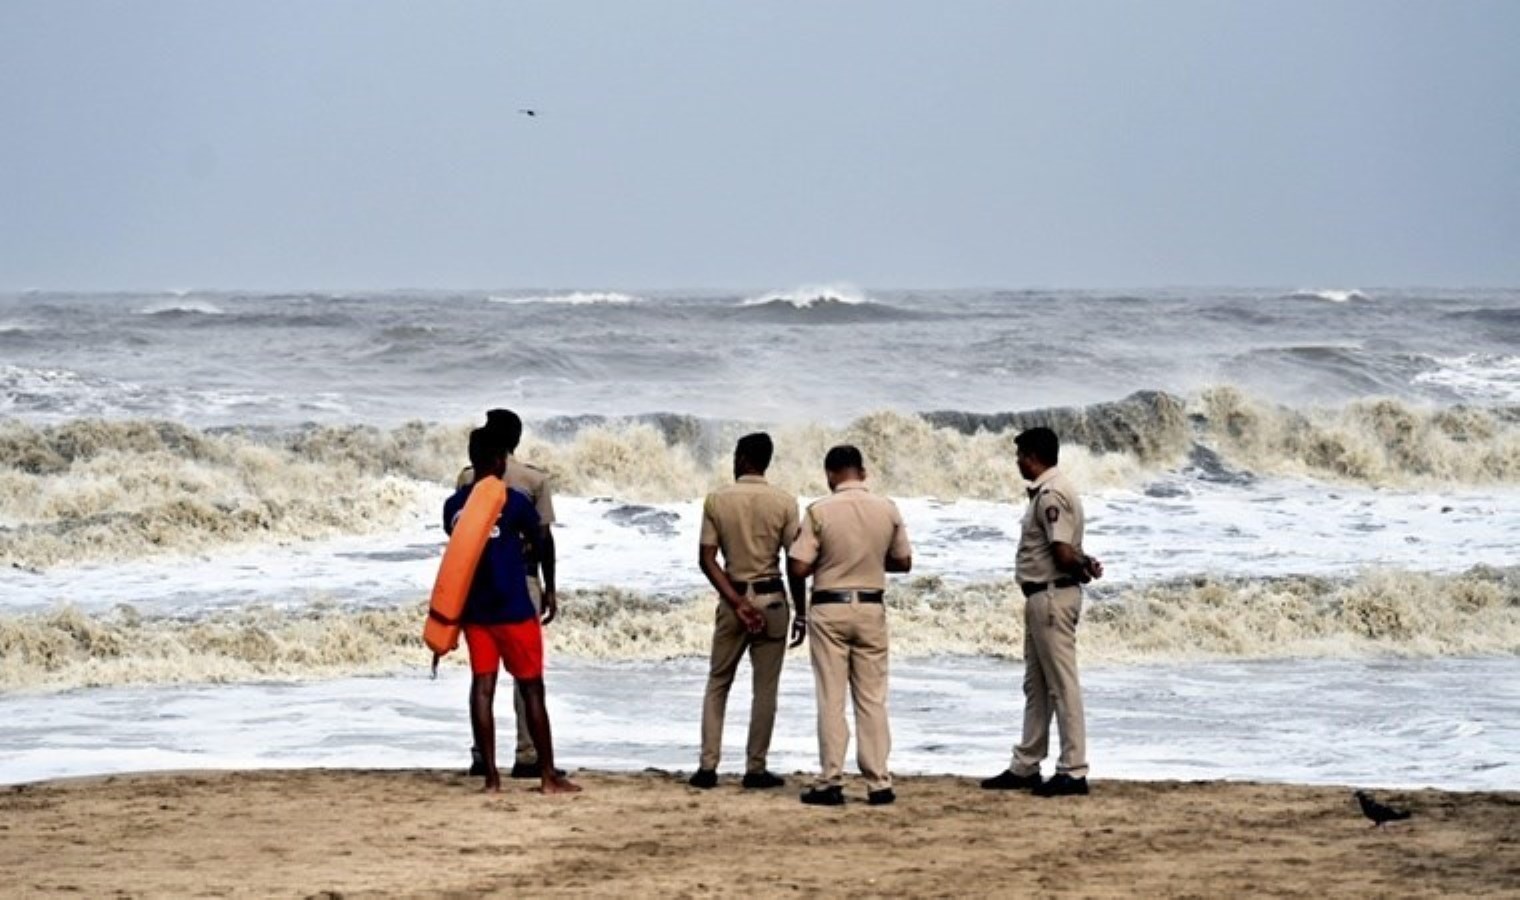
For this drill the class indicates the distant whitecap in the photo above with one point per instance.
(181, 306)
(1350, 295)
(574, 298)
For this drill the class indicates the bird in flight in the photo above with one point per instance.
(1379, 814)
(528, 112)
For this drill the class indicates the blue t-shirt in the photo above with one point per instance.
(499, 592)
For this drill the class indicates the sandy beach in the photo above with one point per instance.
(355, 833)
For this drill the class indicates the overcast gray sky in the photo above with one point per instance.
(370, 144)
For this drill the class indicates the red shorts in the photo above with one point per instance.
(517, 645)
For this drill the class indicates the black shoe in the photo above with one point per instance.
(533, 770)
(829, 796)
(477, 762)
(1062, 785)
(762, 780)
(705, 779)
(883, 797)
(1007, 781)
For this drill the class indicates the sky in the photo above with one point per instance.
(368, 144)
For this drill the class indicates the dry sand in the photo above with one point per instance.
(355, 833)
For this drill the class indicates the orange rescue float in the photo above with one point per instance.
(452, 587)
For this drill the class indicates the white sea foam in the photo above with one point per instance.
(1478, 377)
(1378, 614)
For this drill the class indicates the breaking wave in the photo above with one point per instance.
(827, 304)
(1397, 614)
(1380, 442)
(93, 489)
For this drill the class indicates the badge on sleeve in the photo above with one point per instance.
(1052, 514)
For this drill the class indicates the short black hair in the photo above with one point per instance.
(756, 449)
(1041, 443)
(844, 456)
(486, 450)
(507, 424)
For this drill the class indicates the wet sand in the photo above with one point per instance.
(356, 833)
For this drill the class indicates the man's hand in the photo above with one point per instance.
(551, 607)
(753, 619)
(1092, 568)
(799, 631)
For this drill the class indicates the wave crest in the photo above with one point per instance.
(1375, 441)
(1383, 613)
(823, 304)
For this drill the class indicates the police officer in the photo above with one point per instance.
(751, 523)
(538, 558)
(1051, 569)
(849, 541)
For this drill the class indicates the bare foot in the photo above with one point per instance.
(554, 784)
(493, 784)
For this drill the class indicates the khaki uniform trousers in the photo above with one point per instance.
(767, 651)
(1050, 683)
(848, 644)
(527, 754)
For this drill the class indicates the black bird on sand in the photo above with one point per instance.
(1379, 814)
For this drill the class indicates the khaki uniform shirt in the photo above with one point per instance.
(750, 522)
(521, 476)
(1054, 515)
(848, 536)
(535, 483)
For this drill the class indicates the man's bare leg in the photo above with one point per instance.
(543, 741)
(483, 723)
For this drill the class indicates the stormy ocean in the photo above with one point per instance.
(219, 519)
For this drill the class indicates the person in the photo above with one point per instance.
(848, 543)
(538, 558)
(752, 523)
(1051, 569)
(501, 626)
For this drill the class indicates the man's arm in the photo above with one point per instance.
(899, 552)
(546, 570)
(1073, 562)
(707, 559)
(797, 586)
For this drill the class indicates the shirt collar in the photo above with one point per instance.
(850, 486)
(752, 479)
(1045, 478)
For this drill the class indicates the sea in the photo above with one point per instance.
(220, 519)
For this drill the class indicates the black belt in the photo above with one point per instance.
(846, 597)
(769, 586)
(1030, 588)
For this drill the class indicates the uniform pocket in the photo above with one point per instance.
(776, 620)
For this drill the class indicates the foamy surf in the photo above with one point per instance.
(1395, 614)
